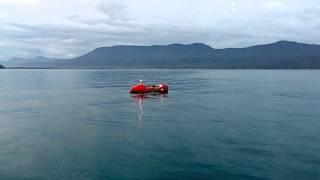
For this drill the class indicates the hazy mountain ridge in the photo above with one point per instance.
(23, 62)
(279, 55)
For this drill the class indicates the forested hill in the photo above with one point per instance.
(279, 55)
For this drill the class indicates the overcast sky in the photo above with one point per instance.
(68, 28)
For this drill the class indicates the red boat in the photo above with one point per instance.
(143, 88)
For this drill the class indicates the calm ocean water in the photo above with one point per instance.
(213, 124)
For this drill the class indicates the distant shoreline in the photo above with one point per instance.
(278, 55)
(169, 68)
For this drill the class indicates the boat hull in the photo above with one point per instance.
(142, 89)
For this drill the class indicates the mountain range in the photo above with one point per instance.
(278, 55)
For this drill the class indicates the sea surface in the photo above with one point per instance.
(213, 124)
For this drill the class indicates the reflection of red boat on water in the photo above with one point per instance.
(143, 88)
(148, 96)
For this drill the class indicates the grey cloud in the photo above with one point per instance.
(114, 11)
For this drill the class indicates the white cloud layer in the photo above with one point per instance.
(65, 29)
